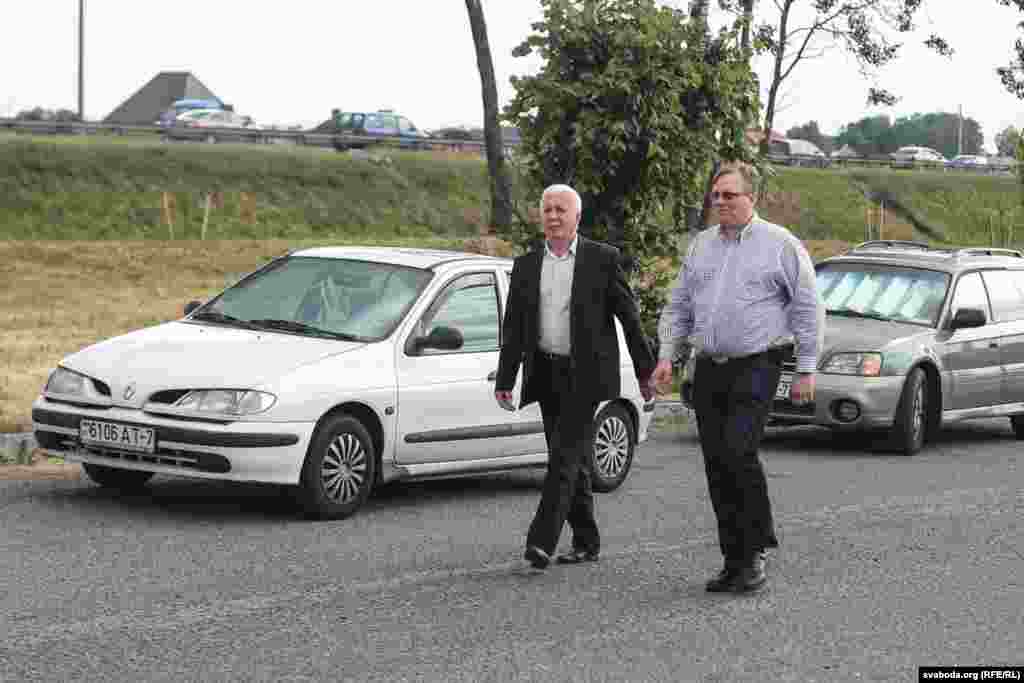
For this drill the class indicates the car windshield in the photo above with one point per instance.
(868, 290)
(325, 297)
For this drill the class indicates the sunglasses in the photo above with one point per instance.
(727, 196)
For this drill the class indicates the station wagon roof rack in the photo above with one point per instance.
(988, 251)
(903, 244)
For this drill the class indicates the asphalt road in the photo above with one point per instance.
(887, 563)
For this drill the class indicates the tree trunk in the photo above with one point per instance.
(773, 90)
(696, 219)
(501, 188)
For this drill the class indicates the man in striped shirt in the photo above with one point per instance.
(745, 294)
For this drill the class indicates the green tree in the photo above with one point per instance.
(630, 107)
(1007, 141)
(632, 104)
(869, 136)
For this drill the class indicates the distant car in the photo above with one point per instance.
(359, 129)
(911, 156)
(329, 369)
(793, 152)
(968, 161)
(915, 337)
(179, 107)
(211, 125)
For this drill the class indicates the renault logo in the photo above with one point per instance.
(129, 391)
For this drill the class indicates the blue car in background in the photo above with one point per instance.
(384, 123)
(179, 107)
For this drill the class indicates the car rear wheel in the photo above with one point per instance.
(115, 477)
(1018, 425)
(613, 446)
(911, 422)
(339, 470)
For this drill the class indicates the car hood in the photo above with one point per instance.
(861, 334)
(191, 355)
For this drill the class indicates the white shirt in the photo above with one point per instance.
(555, 294)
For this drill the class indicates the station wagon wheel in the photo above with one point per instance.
(911, 421)
(339, 469)
(116, 477)
(613, 445)
(1018, 425)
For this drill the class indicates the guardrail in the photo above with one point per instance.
(342, 142)
(250, 135)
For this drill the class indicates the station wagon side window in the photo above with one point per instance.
(1006, 289)
(469, 304)
(970, 293)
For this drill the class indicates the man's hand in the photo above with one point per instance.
(802, 390)
(662, 376)
(647, 388)
(505, 400)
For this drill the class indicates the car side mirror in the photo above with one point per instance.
(191, 306)
(441, 337)
(968, 317)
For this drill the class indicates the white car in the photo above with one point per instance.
(212, 125)
(332, 369)
(908, 157)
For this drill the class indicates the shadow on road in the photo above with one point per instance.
(203, 501)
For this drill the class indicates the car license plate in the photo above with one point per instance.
(785, 382)
(116, 435)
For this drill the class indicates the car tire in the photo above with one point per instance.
(116, 477)
(614, 442)
(1017, 421)
(911, 423)
(339, 470)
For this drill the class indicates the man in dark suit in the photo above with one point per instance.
(559, 324)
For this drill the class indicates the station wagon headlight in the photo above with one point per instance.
(226, 401)
(864, 364)
(64, 382)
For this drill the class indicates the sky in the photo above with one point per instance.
(291, 63)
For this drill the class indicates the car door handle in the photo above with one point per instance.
(492, 375)
(993, 345)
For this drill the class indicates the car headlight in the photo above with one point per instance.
(68, 383)
(226, 401)
(864, 364)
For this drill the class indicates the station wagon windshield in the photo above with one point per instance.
(875, 291)
(322, 297)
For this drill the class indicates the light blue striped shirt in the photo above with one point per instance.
(736, 297)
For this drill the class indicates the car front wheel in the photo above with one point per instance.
(339, 469)
(115, 477)
(911, 415)
(613, 446)
(1018, 425)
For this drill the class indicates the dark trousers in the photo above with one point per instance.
(732, 401)
(567, 495)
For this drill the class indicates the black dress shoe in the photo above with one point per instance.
(577, 556)
(751, 576)
(537, 558)
(724, 581)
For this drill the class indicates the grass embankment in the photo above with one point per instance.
(95, 188)
(62, 289)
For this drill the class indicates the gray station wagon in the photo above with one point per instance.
(916, 336)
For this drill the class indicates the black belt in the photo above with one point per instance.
(783, 351)
(553, 357)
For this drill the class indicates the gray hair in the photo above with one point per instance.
(551, 189)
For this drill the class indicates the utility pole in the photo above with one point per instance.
(81, 60)
(960, 133)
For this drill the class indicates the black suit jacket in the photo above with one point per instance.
(600, 293)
